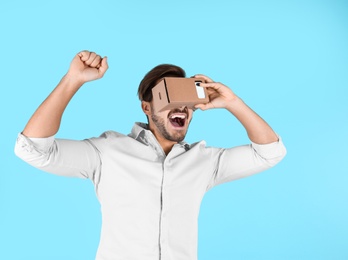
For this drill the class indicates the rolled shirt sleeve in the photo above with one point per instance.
(60, 156)
(242, 161)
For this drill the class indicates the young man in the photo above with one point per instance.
(150, 183)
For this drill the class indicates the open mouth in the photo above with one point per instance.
(177, 120)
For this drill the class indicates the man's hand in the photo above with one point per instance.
(220, 96)
(87, 66)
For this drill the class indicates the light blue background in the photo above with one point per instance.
(287, 59)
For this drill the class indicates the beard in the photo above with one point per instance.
(178, 136)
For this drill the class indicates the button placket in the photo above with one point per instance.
(165, 208)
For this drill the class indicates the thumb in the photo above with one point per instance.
(104, 66)
(204, 106)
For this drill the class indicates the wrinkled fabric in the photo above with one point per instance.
(149, 201)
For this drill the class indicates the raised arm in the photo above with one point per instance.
(222, 97)
(86, 66)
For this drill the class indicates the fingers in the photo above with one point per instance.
(207, 82)
(84, 55)
(90, 59)
(96, 62)
(205, 78)
(213, 85)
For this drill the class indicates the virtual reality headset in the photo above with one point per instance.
(173, 92)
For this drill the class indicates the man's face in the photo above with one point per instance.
(171, 124)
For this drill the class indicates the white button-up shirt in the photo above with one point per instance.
(149, 201)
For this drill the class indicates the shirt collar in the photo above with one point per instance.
(138, 131)
(141, 133)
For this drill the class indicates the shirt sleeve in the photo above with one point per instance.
(60, 156)
(242, 161)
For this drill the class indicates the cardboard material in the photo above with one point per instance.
(173, 92)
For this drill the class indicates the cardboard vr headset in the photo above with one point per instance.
(173, 92)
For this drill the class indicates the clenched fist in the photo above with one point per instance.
(87, 66)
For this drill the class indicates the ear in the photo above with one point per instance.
(146, 107)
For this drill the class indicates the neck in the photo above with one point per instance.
(166, 144)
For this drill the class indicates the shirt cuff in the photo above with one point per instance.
(271, 150)
(40, 144)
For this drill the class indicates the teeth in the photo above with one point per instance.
(177, 116)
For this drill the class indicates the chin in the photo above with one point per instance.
(178, 134)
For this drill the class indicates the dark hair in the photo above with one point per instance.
(151, 78)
